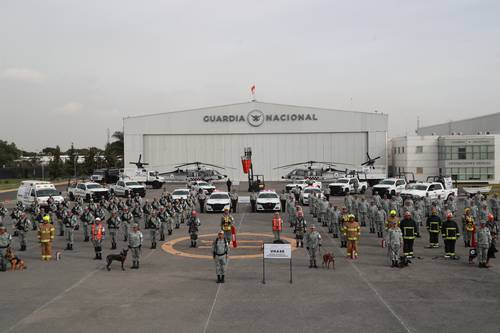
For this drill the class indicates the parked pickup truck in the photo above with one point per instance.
(342, 186)
(390, 186)
(126, 187)
(302, 184)
(434, 189)
(87, 191)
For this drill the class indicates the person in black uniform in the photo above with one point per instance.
(433, 225)
(450, 233)
(409, 229)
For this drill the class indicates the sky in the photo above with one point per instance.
(69, 70)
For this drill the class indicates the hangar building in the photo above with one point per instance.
(278, 134)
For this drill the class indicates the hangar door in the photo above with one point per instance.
(269, 150)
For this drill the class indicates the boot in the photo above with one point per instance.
(302, 244)
(170, 232)
(222, 279)
(61, 234)
(310, 264)
(133, 265)
(330, 231)
(68, 247)
(296, 244)
(113, 246)
(87, 239)
(71, 247)
(218, 279)
(137, 265)
(23, 247)
(195, 245)
(154, 245)
(335, 235)
(162, 238)
(96, 256)
(99, 256)
(314, 264)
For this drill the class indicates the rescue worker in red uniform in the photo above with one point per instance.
(277, 227)
(352, 232)
(97, 235)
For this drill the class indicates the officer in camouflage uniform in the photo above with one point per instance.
(154, 223)
(300, 229)
(70, 225)
(323, 208)
(23, 225)
(313, 244)
(5, 240)
(394, 240)
(127, 218)
(163, 215)
(372, 216)
(220, 248)
(362, 212)
(114, 223)
(193, 224)
(348, 202)
(135, 243)
(147, 209)
(483, 244)
(380, 219)
(87, 219)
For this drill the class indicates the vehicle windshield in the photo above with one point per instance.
(387, 182)
(418, 187)
(203, 184)
(342, 181)
(180, 192)
(92, 186)
(46, 192)
(219, 196)
(98, 172)
(312, 189)
(131, 183)
(268, 196)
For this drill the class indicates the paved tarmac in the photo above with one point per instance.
(176, 293)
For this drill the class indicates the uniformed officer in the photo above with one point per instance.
(5, 240)
(468, 227)
(202, 197)
(253, 201)
(147, 209)
(137, 213)
(3, 212)
(433, 225)
(277, 226)
(127, 220)
(492, 225)
(483, 237)
(313, 244)
(344, 218)
(300, 229)
(450, 233)
(70, 225)
(154, 224)
(87, 219)
(220, 248)
(291, 212)
(394, 240)
(193, 224)
(372, 216)
(135, 243)
(283, 201)
(164, 217)
(23, 225)
(329, 217)
(226, 225)
(362, 212)
(409, 229)
(234, 200)
(114, 223)
(322, 211)
(97, 236)
(348, 202)
(46, 234)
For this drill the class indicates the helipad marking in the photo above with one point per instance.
(169, 246)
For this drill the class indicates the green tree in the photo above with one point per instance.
(8, 153)
(90, 163)
(56, 167)
(110, 156)
(71, 164)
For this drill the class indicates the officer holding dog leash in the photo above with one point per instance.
(5, 239)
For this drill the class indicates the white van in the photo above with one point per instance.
(31, 190)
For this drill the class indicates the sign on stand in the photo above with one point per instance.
(276, 251)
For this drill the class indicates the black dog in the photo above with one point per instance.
(118, 257)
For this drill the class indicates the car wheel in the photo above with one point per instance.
(363, 190)
(156, 185)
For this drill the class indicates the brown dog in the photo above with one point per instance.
(327, 259)
(15, 262)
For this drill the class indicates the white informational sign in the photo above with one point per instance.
(448, 183)
(277, 251)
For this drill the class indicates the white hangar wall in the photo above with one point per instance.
(283, 134)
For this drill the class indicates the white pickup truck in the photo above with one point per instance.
(143, 176)
(302, 184)
(126, 187)
(390, 186)
(342, 186)
(434, 189)
(87, 191)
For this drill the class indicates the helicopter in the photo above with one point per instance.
(195, 171)
(139, 164)
(325, 170)
(370, 163)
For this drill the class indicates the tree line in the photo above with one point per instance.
(93, 158)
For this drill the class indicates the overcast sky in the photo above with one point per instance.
(71, 69)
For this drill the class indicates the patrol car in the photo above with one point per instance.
(268, 201)
(302, 184)
(217, 202)
(202, 185)
(304, 195)
(87, 191)
(126, 187)
(390, 186)
(180, 193)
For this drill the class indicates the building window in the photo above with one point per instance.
(419, 149)
(403, 150)
(399, 150)
(462, 155)
(420, 170)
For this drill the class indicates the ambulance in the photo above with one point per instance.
(39, 191)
